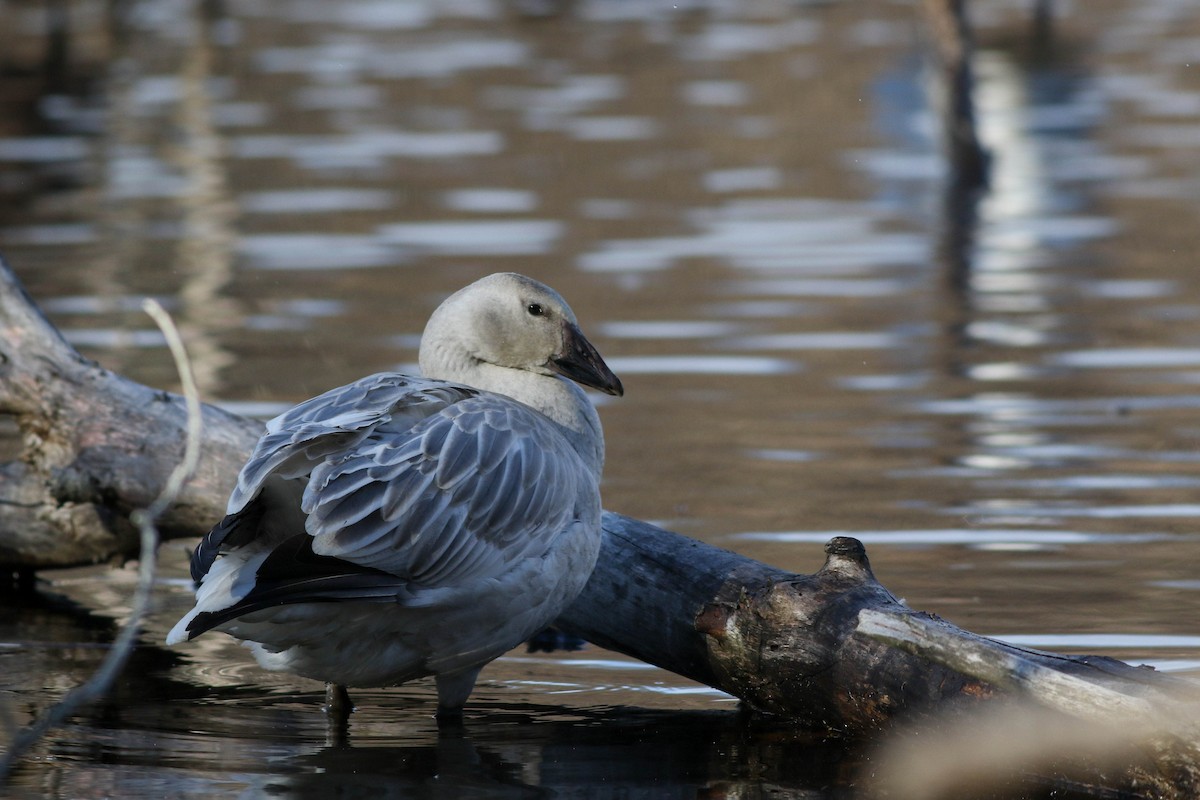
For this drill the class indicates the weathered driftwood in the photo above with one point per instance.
(92, 446)
(832, 650)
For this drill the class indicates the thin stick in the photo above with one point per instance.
(101, 681)
(191, 452)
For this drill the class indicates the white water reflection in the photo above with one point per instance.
(114, 338)
(548, 108)
(49, 149)
(743, 179)
(1130, 357)
(1008, 508)
(394, 244)
(48, 235)
(133, 174)
(596, 676)
(1130, 289)
(821, 287)
(1100, 641)
(668, 329)
(313, 251)
(1008, 333)
(757, 309)
(496, 238)
(484, 200)
(418, 59)
(701, 365)
(366, 14)
(88, 304)
(793, 456)
(729, 40)
(365, 150)
(315, 201)
(716, 93)
(971, 537)
(785, 234)
(1102, 483)
(256, 409)
(885, 383)
(611, 129)
(1006, 406)
(819, 340)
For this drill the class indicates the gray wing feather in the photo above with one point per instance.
(470, 489)
(431, 482)
(337, 422)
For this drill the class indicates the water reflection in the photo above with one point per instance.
(483, 200)
(516, 755)
(428, 59)
(493, 238)
(970, 537)
(365, 151)
(171, 728)
(786, 235)
(315, 201)
(701, 365)
(47, 149)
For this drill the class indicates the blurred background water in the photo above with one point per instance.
(744, 204)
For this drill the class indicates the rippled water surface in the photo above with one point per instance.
(745, 205)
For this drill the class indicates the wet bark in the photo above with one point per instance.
(834, 650)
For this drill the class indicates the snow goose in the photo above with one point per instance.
(405, 526)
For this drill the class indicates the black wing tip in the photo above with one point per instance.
(232, 531)
(202, 623)
(209, 548)
(294, 574)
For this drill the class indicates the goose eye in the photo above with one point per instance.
(535, 309)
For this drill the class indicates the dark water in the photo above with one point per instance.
(743, 203)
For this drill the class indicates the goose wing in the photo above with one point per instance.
(464, 493)
(336, 422)
(266, 496)
(413, 486)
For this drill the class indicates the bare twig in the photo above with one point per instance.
(98, 685)
(191, 452)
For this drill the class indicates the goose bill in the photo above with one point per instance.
(580, 362)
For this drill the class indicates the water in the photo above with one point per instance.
(743, 204)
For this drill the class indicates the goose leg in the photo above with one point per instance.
(453, 691)
(337, 701)
(338, 707)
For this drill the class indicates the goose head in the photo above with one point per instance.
(507, 322)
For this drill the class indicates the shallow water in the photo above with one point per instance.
(744, 206)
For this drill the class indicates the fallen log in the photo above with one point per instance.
(834, 650)
(87, 446)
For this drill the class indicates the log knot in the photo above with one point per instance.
(713, 620)
(846, 555)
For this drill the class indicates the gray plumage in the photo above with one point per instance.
(401, 526)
